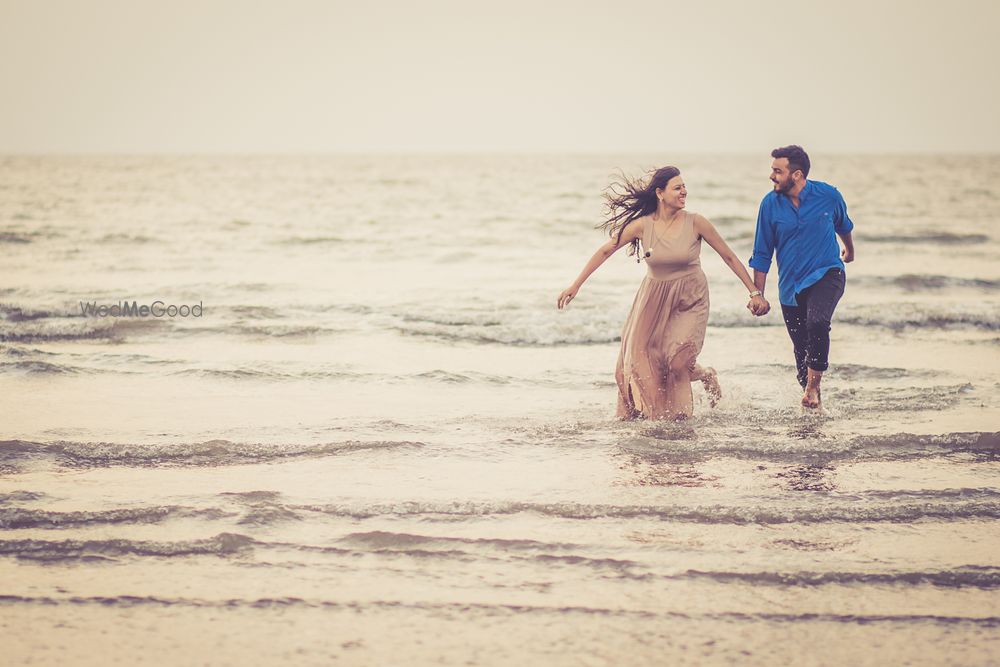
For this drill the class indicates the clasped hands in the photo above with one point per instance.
(758, 305)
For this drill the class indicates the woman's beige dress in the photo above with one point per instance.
(665, 330)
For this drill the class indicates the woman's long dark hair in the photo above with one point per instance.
(629, 199)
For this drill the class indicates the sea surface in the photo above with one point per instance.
(380, 443)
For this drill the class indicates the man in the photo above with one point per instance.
(800, 220)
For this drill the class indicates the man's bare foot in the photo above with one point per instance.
(812, 399)
(710, 381)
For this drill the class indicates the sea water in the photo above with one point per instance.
(379, 442)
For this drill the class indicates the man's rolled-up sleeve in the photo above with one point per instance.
(841, 222)
(763, 243)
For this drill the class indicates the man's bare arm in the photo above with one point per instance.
(847, 254)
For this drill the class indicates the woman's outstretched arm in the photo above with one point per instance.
(629, 234)
(758, 304)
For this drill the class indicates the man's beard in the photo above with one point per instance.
(783, 187)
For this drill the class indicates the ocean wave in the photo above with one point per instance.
(827, 449)
(963, 577)
(911, 282)
(449, 377)
(69, 331)
(19, 352)
(249, 287)
(840, 370)
(970, 442)
(268, 330)
(19, 517)
(15, 237)
(311, 240)
(560, 611)
(261, 508)
(863, 372)
(254, 312)
(935, 238)
(208, 453)
(855, 401)
(910, 316)
(235, 374)
(379, 539)
(512, 334)
(271, 374)
(126, 238)
(252, 496)
(51, 327)
(267, 515)
(829, 510)
(540, 328)
(762, 435)
(223, 544)
(882, 495)
(13, 313)
(313, 373)
(823, 507)
(969, 576)
(515, 325)
(24, 237)
(39, 368)
(20, 497)
(534, 327)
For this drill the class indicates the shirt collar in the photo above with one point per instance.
(805, 191)
(803, 195)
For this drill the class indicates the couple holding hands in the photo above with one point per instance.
(799, 220)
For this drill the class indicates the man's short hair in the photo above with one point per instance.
(797, 158)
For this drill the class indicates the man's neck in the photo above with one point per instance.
(794, 193)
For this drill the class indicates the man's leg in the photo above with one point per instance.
(795, 323)
(821, 301)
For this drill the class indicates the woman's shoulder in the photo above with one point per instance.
(642, 223)
(699, 223)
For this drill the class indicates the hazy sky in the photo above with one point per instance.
(211, 76)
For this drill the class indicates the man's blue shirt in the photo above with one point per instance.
(804, 237)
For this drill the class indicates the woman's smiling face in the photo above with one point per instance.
(674, 194)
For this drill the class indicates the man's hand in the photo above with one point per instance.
(758, 305)
(847, 254)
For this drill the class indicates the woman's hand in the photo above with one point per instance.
(608, 248)
(758, 305)
(567, 296)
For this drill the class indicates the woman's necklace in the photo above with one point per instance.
(656, 237)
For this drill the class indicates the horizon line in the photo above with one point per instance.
(484, 153)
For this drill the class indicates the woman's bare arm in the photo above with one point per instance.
(631, 232)
(758, 304)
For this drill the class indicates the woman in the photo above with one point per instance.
(665, 330)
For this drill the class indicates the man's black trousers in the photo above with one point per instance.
(808, 323)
